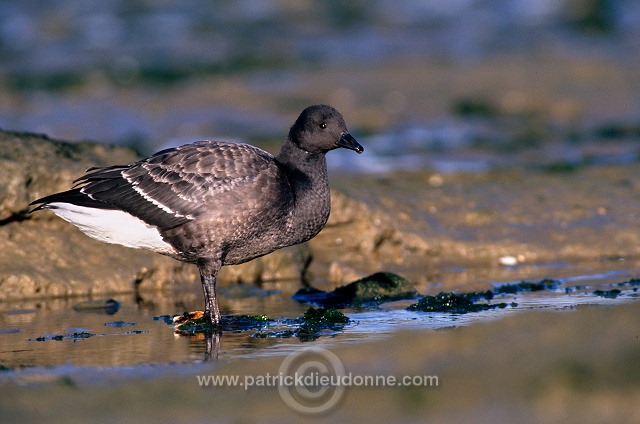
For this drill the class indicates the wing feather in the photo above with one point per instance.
(171, 187)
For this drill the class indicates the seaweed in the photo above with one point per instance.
(308, 327)
(545, 284)
(119, 324)
(311, 325)
(456, 303)
(607, 294)
(631, 282)
(73, 336)
(193, 323)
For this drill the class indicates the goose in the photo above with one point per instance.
(212, 203)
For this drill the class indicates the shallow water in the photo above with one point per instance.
(41, 339)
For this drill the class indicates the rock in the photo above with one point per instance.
(357, 239)
(43, 256)
(376, 288)
(339, 272)
(34, 165)
(106, 306)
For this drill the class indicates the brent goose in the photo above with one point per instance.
(212, 203)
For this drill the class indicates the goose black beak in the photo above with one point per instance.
(347, 141)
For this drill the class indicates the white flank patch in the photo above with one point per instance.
(112, 226)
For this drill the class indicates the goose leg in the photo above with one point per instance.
(208, 273)
(213, 346)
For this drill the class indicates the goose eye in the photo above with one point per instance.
(323, 125)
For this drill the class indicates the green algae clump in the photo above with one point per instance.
(455, 303)
(310, 326)
(190, 323)
(315, 321)
(607, 294)
(546, 284)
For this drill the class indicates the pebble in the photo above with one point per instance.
(509, 260)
